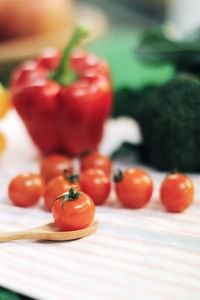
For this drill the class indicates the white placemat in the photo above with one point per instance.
(135, 254)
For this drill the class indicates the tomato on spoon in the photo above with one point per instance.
(73, 210)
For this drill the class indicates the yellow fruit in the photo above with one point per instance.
(4, 101)
(2, 143)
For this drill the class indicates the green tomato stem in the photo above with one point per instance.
(118, 176)
(70, 196)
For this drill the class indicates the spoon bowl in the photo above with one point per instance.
(48, 232)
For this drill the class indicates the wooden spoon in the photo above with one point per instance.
(48, 232)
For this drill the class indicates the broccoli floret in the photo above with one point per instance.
(169, 117)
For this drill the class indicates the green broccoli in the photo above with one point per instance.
(169, 117)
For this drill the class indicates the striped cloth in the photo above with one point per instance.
(144, 254)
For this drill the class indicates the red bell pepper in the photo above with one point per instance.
(64, 101)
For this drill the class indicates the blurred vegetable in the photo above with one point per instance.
(64, 109)
(4, 107)
(169, 118)
(55, 165)
(168, 114)
(128, 153)
(96, 160)
(4, 101)
(128, 72)
(8, 295)
(158, 47)
(123, 102)
(25, 190)
(30, 17)
(2, 143)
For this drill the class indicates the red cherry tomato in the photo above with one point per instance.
(176, 192)
(56, 187)
(133, 187)
(96, 184)
(73, 210)
(25, 190)
(54, 165)
(96, 160)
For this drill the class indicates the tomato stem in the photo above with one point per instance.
(71, 178)
(86, 153)
(65, 171)
(70, 196)
(118, 176)
(64, 74)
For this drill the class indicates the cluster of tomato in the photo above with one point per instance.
(72, 198)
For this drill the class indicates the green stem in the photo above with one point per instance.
(64, 74)
(73, 178)
(70, 196)
(118, 176)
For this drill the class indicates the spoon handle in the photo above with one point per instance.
(48, 232)
(19, 235)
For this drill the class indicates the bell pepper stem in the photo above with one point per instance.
(64, 74)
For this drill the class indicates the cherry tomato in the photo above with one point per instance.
(133, 187)
(25, 190)
(54, 165)
(56, 187)
(96, 160)
(73, 210)
(176, 192)
(96, 184)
